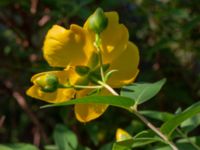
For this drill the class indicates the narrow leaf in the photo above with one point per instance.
(142, 92)
(169, 126)
(162, 116)
(22, 146)
(118, 101)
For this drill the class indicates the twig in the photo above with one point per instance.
(2, 119)
(156, 130)
(22, 102)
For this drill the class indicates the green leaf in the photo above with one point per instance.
(169, 126)
(141, 139)
(133, 143)
(50, 147)
(64, 138)
(142, 92)
(4, 147)
(162, 116)
(126, 145)
(22, 146)
(118, 101)
(191, 123)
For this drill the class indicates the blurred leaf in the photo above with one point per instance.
(190, 25)
(142, 92)
(3, 147)
(191, 123)
(194, 142)
(118, 101)
(141, 139)
(20, 146)
(162, 116)
(169, 126)
(133, 143)
(51, 147)
(107, 146)
(64, 138)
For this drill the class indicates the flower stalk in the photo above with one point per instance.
(97, 46)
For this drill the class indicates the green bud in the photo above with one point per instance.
(82, 70)
(98, 21)
(47, 83)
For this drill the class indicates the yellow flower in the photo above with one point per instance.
(75, 47)
(122, 135)
(59, 95)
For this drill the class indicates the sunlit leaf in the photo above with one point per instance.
(142, 92)
(118, 101)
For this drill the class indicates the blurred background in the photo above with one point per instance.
(167, 33)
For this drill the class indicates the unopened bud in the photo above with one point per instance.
(47, 83)
(98, 21)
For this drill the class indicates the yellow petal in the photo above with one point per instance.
(126, 65)
(122, 135)
(88, 112)
(66, 47)
(63, 76)
(60, 95)
(114, 38)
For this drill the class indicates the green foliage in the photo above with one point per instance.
(18, 146)
(118, 101)
(142, 92)
(140, 140)
(169, 126)
(64, 138)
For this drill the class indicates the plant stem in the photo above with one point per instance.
(149, 124)
(87, 87)
(110, 89)
(80, 86)
(156, 130)
(97, 45)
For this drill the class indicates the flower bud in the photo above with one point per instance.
(98, 21)
(47, 83)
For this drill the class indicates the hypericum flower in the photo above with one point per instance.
(74, 48)
(56, 96)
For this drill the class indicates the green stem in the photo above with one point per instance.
(156, 130)
(187, 138)
(97, 45)
(149, 124)
(110, 89)
(80, 86)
